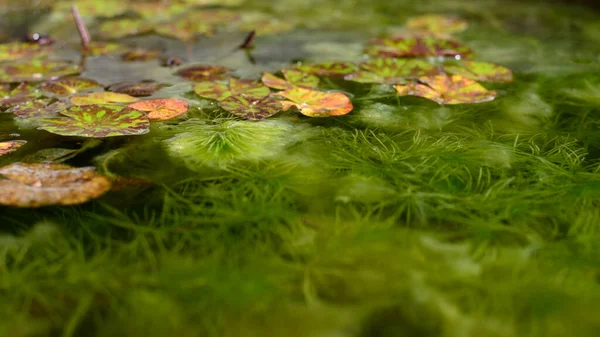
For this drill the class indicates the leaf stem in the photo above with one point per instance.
(84, 34)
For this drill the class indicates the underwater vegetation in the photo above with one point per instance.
(299, 168)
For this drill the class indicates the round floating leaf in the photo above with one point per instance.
(437, 24)
(392, 71)
(481, 71)
(162, 109)
(424, 46)
(103, 48)
(68, 86)
(445, 89)
(46, 184)
(328, 68)
(275, 82)
(36, 70)
(117, 29)
(105, 8)
(201, 73)
(102, 98)
(21, 94)
(267, 26)
(98, 121)
(213, 16)
(140, 54)
(293, 78)
(37, 108)
(183, 30)
(248, 108)
(314, 103)
(157, 11)
(10, 146)
(21, 50)
(250, 89)
(137, 89)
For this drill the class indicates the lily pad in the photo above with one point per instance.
(102, 98)
(137, 89)
(46, 184)
(117, 29)
(36, 70)
(392, 71)
(37, 108)
(103, 48)
(90, 8)
(201, 73)
(11, 146)
(215, 16)
(267, 26)
(98, 121)
(157, 11)
(480, 71)
(162, 109)
(444, 89)
(21, 50)
(251, 109)
(23, 93)
(68, 86)
(328, 68)
(293, 78)
(418, 46)
(251, 90)
(183, 30)
(437, 24)
(314, 103)
(140, 54)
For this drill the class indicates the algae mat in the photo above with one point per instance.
(299, 168)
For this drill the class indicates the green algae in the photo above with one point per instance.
(402, 218)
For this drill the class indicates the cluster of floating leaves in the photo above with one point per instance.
(423, 60)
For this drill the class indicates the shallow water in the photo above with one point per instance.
(401, 218)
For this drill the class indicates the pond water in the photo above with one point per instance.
(419, 168)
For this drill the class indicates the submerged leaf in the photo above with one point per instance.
(328, 68)
(162, 109)
(145, 88)
(98, 121)
(419, 46)
(249, 89)
(314, 103)
(392, 71)
(481, 71)
(23, 93)
(68, 86)
(293, 78)
(37, 108)
(46, 184)
(445, 89)
(102, 98)
(438, 24)
(14, 51)
(201, 73)
(252, 109)
(36, 70)
(11, 146)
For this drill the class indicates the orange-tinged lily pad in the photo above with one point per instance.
(137, 89)
(201, 73)
(98, 121)
(102, 98)
(480, 71)
(14, 51)
(11, 146)
(328, 68)
(36, 70)
(444, 89)
(23, 93)
(252, 90)
(162, 109)
(314, 103)
(437, 24)
(293, 78)
(46, 184)
(417, 46)
(251, 109)
(37, 108)
(392, 71)
(68, 86)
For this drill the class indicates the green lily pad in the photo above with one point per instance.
(251, 90)
(68, 86)
(90, 8)
(22, 93)
(11, 146)
(140, 54)
(437, 24)
(293, 78)
(314, 103)
(480, 71)
(37, 108)
(103, 48)
(444, 89)
(14, 51)
(418, 46)
(98, 121)
(102, 98)
(267, 26)
(215, 16)
(392, 71)
(184, 30)
(201, 73)
(251, 109)
(328, 68)
(36, 70)
(117, 29)
(157, 11)
(137, 89)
